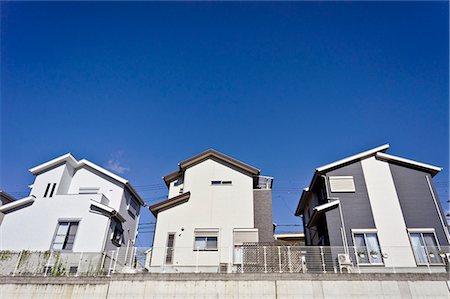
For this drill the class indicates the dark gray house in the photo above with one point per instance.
(382, 210)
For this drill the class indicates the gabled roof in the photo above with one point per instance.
(353, 158)
(433, 170)
(169, 203)
(378, 152)
(70, 159)
(210, 153)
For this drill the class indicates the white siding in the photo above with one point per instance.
(387, 213)
(210, 206)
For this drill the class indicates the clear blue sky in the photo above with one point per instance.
(286, 87)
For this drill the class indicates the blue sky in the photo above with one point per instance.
(286, 87)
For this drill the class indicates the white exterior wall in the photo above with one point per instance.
(33, 227)
(86, 177)
(387, 213)
(43, 179)
(222, 207)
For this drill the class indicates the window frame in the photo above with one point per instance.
(423, 231)
(167, 247)
(364, 232)
(70, 222)
(206, 233)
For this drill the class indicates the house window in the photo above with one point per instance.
(117, 235)
(88, 190)
(65, 235)
(133, 207)
(50, 188)
(221, 182)
(425, 247)
(169, 248)
(205, 243)
(367, 248)
(342, 184)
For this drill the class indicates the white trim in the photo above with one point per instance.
(326, 206)
(421, 230)
(354, 157)
(364, 230)
(385, 156)
(17, 203)
(64, 158)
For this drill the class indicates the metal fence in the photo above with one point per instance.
(249, 258)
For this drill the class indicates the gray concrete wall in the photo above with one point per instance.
(262, 208)
(230, 286)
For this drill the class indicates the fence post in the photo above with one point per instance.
(132, 257)
(126, 253)
(242, 254)
(79, 263)
(265, 260)
(110, 262)
(115, 261)
(48, 263)
(17, 264)
(102, 264)
(289, 259)
(279, 259)
(323, 260)
(196, 261)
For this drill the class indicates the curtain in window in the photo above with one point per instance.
(361, 250)
(60, 237)
(432, 248)
(419, 249)
(200, 243)
(373, 249)
(71, 235)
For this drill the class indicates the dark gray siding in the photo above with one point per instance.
(356, 209)
(262, 208)
(416, 201)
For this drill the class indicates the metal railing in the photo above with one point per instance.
(250, 258)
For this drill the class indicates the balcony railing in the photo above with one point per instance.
(264, 182)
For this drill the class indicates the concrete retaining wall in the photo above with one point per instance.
(229, 286)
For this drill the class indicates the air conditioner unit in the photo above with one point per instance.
(344, 259)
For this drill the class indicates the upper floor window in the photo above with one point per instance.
(342, 184)
(50, 190)
(425, 247)
(367, 248)
(65, 235)
(88, 190)
(221, 182)
(133, 207)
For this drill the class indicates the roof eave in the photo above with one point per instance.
(353, 158)
(431, 169)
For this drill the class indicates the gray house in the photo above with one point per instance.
(376, 209)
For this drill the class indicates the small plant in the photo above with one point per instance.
(5, 255)
(24, 257)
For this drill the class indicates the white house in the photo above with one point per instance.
(215, 204)
(73, 206)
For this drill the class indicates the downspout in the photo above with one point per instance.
(343, 231)
(438, 211)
